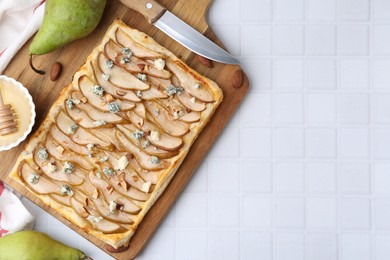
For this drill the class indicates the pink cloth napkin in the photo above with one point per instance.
(13, 215)
(19, 20)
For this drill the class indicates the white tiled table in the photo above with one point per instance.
(303, 169)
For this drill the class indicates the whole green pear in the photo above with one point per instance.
(33, 245)
(65, 21)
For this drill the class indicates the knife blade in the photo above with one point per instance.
(180, 31)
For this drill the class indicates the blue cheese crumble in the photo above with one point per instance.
(42, 153)
(114, 107)
(141, 76)
(68, 168)
(33, 178)
(145, 144)
(154, 159)
(124, 60)
(138, 134)
(127, 52)
(66, 190)
(109, 64)
(172, 90)
(72, 129)
(108, 171)
(98, 90)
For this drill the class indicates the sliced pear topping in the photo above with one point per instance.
(107, 134)
(102, 185)
(81, 117)
(145, 144)
(103, 80)
(188, 81)
(142, 158)
(67, 155)
(137, 49)
(95, 114)
(95, 218)
(98, 102)
(56, 174)
(165, 141)
(120, 77)
(161, 116)
(191, 117)
(40, 185)
(146, 175)
(191, 103)
(65, 141)
(117, 216)
(132, 63)
(82, 137)
(140, 110)
(152, 93)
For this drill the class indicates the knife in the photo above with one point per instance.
(180, 31)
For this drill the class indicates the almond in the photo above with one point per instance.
(237, 78)
(95, 193)
(120, 93)
(109, 98)
(121, 177)
(129, 156)
(55, 71)
(83, 99)
(206, 62)
(135, 178)
(125, 185)
(110, 189)
(141, 66)
(60, 149)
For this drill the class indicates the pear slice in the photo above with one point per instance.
(118, 216)
(135, 65)
(174, 106)
(80, 136)
(107, 134)
(191, 102)
(64, 200)
(140, 110)
(73, 178)
(86, 85)
(95, 114)
(65, 141)
(152, 93)
(149, 176)
(103, 225)
(66, 155)
(149, 149)
(81, 117)
(188, 81)
(137, 49)
(165, 142)
(102, 185)
(120, 77)
(110, 88)
(191, 117)
(42, 186)
(161, 116)
(142, 158)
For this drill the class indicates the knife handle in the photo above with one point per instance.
(150, 9)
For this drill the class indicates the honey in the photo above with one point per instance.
(22, 108)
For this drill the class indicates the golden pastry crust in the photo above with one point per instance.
(85, 217)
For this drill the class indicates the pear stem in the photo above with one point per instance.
(33, 68)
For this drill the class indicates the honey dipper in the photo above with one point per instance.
(8, 124)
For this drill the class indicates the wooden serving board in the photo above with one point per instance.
(72, 56)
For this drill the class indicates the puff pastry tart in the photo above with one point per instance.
(117, 134)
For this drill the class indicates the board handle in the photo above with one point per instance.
(150, 9)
